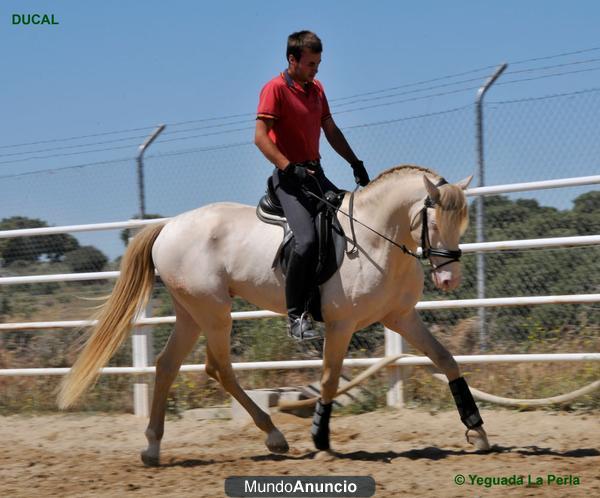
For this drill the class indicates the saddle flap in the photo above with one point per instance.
(331, 244)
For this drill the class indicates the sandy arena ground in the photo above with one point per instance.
(409, 453)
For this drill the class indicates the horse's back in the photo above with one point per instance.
(206, 248)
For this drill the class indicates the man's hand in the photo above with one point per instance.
(297, 171)
(360, 173)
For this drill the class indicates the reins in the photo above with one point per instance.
(424, 252)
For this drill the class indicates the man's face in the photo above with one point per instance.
(306, 68)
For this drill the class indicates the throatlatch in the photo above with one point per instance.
(320, 425)
(467, 409)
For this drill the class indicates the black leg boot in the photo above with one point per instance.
(320, 425)
(467, 409)
(469, 414)
(297, 282)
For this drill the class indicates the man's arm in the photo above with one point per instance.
(266, 145)
(339, 143)
(336, 139)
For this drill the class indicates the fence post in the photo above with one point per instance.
(141, 339)
(480, 219)
(143, 356)
(140, 169)
(397, 375)
(142, 353)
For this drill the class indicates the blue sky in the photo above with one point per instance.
(111, 66)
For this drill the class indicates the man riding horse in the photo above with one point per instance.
(207, 256)
(291, 112)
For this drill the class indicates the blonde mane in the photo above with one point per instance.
(403, 169)
(451, 210)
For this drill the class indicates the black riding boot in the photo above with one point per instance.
(297, 286)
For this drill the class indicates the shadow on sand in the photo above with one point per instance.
(427, 453)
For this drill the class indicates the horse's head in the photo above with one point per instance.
(444, 219)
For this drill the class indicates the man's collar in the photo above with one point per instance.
(288, 78)
(292, 84)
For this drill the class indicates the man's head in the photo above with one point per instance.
(304, 55)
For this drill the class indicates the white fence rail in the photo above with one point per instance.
(502, 245)
(493, 302)
(393, 396)
(348, 362)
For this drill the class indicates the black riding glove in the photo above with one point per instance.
(297, 171)
(360, 173)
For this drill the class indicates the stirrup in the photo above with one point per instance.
(302, 328)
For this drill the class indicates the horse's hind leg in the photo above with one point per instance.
(416, 333)
(212, 313)
(169, 361)
(219, 367)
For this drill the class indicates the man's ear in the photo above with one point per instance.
(432, 190)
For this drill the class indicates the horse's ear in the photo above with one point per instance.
(464, 183)
(432, 190)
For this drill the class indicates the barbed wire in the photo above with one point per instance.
(64, 168)
(409, 118)
(381, 97)
(523, 61)
(548, 76)
(127, 159)
(65, 147)
(140, 137)
(547, 97)
(232, 116)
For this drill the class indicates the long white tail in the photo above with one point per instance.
(131, 293)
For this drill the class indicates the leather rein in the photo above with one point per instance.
(425, 252)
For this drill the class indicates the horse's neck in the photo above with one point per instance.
(388, 203)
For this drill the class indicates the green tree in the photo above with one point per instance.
(32, 248)
(86, 259)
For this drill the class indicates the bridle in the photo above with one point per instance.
(425, 252)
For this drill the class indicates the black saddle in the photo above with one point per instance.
(330, 237)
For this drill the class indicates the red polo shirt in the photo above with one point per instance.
(298, 112)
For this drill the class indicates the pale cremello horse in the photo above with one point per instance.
(207, 256)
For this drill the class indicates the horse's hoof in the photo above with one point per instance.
(276, 442)
(478, 438)
(149, 460)
(325, 455)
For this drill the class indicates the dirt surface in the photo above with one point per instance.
(408, 453)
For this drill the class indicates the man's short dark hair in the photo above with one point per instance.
(300, 40)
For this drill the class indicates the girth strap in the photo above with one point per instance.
(353, 249)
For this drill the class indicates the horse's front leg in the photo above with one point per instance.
(416, 333)
(337, 338)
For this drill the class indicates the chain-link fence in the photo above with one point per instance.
(526, 140)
